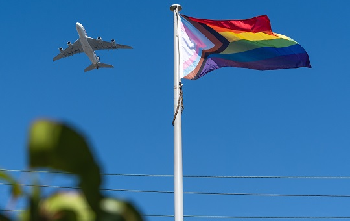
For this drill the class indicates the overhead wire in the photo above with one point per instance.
(256, 217)
(196, 193)
(205, 193)
(188, 176)
(224, 217)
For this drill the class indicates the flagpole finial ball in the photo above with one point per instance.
(174, 6)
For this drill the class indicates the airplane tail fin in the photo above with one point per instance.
(97, 66)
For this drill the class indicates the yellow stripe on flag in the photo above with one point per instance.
(250, 36)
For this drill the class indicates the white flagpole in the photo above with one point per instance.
(178, 176)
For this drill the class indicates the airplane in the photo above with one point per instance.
(89, 45)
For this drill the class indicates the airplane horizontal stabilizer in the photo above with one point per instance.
(97, 66)
(90, 67)
(103, 65)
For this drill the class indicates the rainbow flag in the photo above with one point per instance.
(206, 45)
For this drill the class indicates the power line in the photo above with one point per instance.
(257, 217)
(190, 176)
(227, 217)
(198, 193)
(12, 210)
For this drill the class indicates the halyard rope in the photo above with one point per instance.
(179, 102)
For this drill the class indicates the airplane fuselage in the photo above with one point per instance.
(85, 45)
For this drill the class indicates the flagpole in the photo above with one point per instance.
(178, 176)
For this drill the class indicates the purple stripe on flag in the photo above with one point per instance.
(282, 62)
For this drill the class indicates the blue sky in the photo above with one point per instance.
(236, 122)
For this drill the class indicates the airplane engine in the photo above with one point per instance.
(68, 43)
(61, 49)
(113, 41)
(99, 38)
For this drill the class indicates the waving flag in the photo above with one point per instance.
(207, 45)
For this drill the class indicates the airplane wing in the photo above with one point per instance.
(72, 49)
(105, 45)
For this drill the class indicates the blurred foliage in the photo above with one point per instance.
(4, 218)
(16, 189)
(57, 146)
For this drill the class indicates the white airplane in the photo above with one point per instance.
(89, 45)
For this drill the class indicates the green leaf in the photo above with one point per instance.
(57, 146)
(34, 201)
(63, 206)
(68, 206)
(72, 206)
(16, 189)
(65, 215)
(115, 210)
